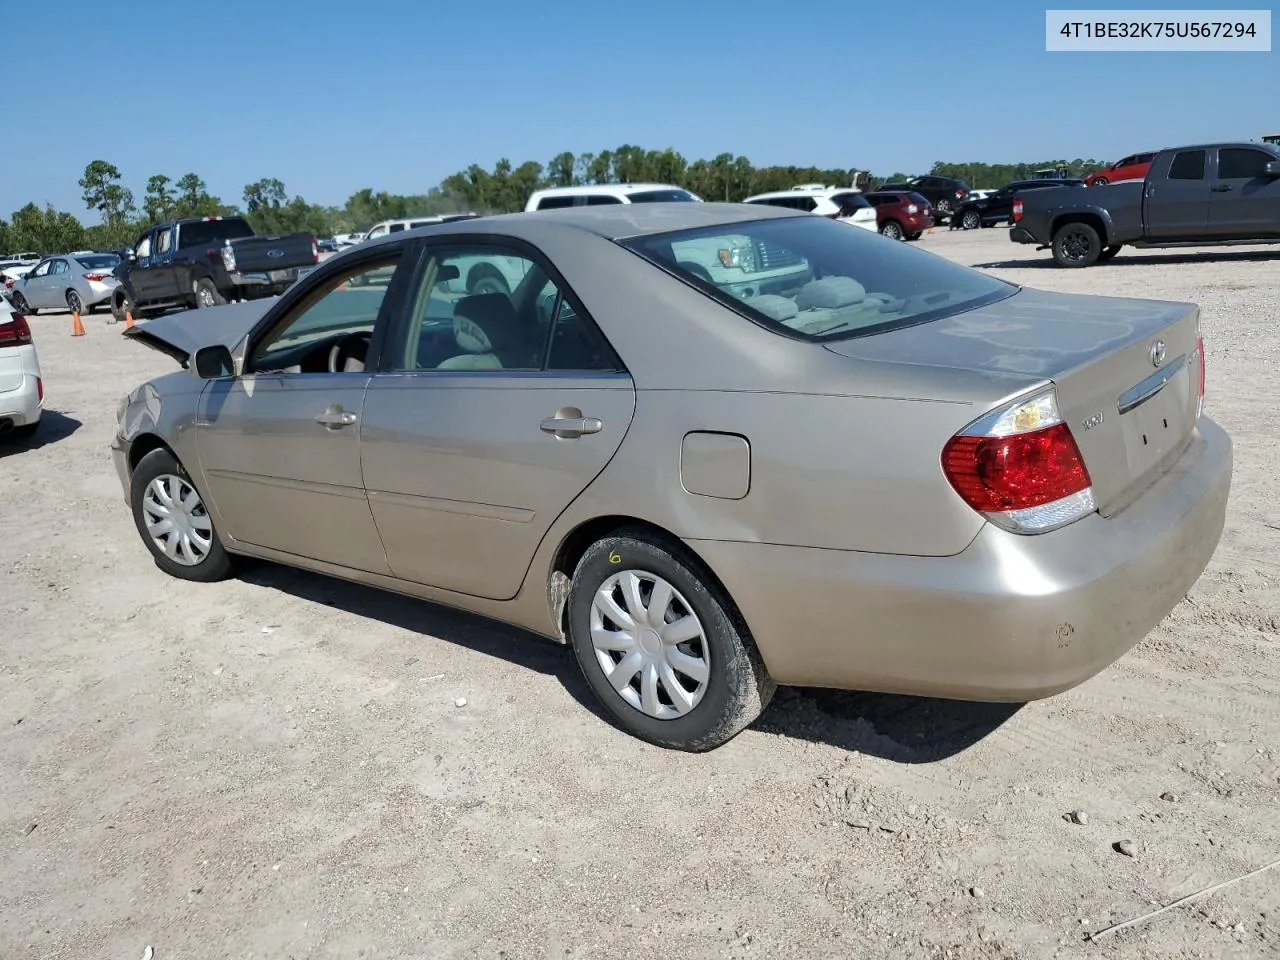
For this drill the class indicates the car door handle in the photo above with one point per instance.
(336, 418)
(1221, 188)
(571, 426)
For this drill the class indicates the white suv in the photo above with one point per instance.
(845, 204)
(21, 388)
(606, 193)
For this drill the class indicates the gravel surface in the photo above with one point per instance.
(290, 766)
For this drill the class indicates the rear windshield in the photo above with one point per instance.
(212, 231)
(99, 261)
(662, 196)
(816, 279)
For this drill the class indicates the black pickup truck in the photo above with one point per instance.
(1208, 195)
(206, 261)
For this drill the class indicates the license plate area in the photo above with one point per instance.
(1155, 417)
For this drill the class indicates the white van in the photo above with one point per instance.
(605, 193)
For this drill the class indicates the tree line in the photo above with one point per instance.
(505, 188)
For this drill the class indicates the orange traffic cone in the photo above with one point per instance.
(77, 328)
(128, 319)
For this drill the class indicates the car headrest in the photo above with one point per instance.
(830, 293)
(485, 323)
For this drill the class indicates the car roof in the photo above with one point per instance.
(607, 189)
(611, 221)
(1241, 144)
(802, 192)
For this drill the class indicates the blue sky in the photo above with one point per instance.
(332, 95)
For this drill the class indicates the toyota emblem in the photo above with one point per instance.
(1157, 353)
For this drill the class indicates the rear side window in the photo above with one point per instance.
(555, 203)
(1242, 164)
(212, 232)
(599, 199)
(815, 279)
(1188, 165)
(661, 196)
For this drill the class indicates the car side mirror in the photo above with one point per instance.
(1273, 168)
(214, 363)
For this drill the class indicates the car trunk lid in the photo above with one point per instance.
(1131, 416)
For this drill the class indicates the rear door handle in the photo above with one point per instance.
(566, 427)
(1221, 188)
(336, 417)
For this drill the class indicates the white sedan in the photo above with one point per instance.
(21, 387)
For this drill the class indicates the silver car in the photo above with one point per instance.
(897, 474)
(79, 283)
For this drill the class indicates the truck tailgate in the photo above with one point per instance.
(263, 254)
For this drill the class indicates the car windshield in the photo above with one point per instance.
(816, 279)
(662, 196)
(99, 261)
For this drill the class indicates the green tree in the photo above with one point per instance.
(158, 202)
(46, 231)
(103, 192)
(560, 171)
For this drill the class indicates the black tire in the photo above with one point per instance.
(215, 564)
(1076, 245)
(943, 208)
(1099, 182)
(1108, 253)
(206, 294)
(971, 220)
(487, 279)
(119, 306)
(893, 230)
(75, 304)
(738, 687)
(20, 304)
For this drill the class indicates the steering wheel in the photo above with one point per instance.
(353, 346)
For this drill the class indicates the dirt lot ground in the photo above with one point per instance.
(275, 766)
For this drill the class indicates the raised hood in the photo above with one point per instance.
(180, 335)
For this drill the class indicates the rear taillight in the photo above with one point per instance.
(912, 208)
(95, 277)
(15, 331)
(959, 194)
(228, 258)
(1017, 210)
(315, 251)
(1020, 467)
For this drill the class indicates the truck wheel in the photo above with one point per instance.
(971, 220)
(206, 294)
(1076, 245)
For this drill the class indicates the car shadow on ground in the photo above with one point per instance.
(1132, 258)
(901, 729)
(54, 426)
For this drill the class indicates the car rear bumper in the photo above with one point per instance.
(21, 404)
(98, 293)
(1010, 618)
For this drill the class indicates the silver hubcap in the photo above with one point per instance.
(176, 520)
(650, 644)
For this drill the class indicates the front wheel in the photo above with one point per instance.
(971, 220)
(173, 521)
(1076, 245)
(20, 304)
(661, 646)
(892, 229)
(1099, 182)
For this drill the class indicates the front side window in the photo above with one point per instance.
(1238, 163)
(334, 321)
(515, 318)
(1187, 165)
(43, 269)
(143, 248)
(854, 284)
(164, 240)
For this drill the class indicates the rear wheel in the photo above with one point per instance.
(943, 208)
(74, 303)
(661, 645)
(171, 518)
(971, 220)
(120, 305)
(1076, 245)
(892, 229)
(206, 293)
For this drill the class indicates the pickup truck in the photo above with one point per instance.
(1208, 195)
(204, 262)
